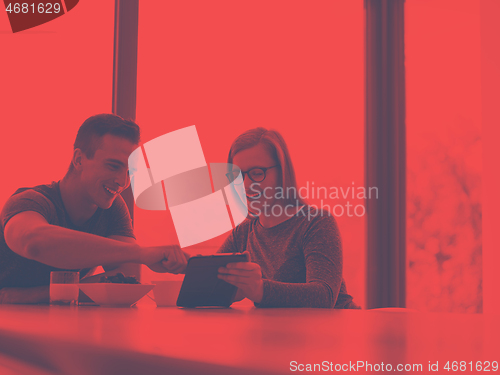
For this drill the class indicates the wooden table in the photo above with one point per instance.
(240, 340)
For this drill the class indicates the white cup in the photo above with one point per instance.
(166, 292)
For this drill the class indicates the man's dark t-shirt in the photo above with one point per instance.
(17, 271)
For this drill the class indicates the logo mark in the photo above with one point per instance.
(177, 162)
(25, 14)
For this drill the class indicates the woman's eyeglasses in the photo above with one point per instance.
(255, 174)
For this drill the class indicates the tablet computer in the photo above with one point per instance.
(201, 286)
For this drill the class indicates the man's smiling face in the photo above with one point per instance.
(106, 174)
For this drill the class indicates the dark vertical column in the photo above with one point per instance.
(125, 68)
(385, 154)
(490, 118)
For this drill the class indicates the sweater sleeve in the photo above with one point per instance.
(322, 250)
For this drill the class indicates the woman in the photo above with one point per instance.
(295, 249)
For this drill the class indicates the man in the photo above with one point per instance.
(80, 222)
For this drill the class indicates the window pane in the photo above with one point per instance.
(53, 77)
(442, 44)
(231, 66)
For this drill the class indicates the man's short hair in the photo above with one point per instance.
(94, 128)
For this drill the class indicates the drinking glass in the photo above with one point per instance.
(64, 287)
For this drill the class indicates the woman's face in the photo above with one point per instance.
(261, 196)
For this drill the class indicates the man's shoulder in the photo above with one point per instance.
(49, 191)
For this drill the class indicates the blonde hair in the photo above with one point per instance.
(279, 151)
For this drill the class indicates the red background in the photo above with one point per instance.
(229, 66)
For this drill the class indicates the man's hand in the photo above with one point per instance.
(37, 294)
(246, 276)
(169, 258)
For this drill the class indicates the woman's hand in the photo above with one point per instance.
(246, 276)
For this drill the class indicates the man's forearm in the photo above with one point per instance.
(66, 248)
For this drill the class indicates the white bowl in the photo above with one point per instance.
(113, 294)
(166, 292)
